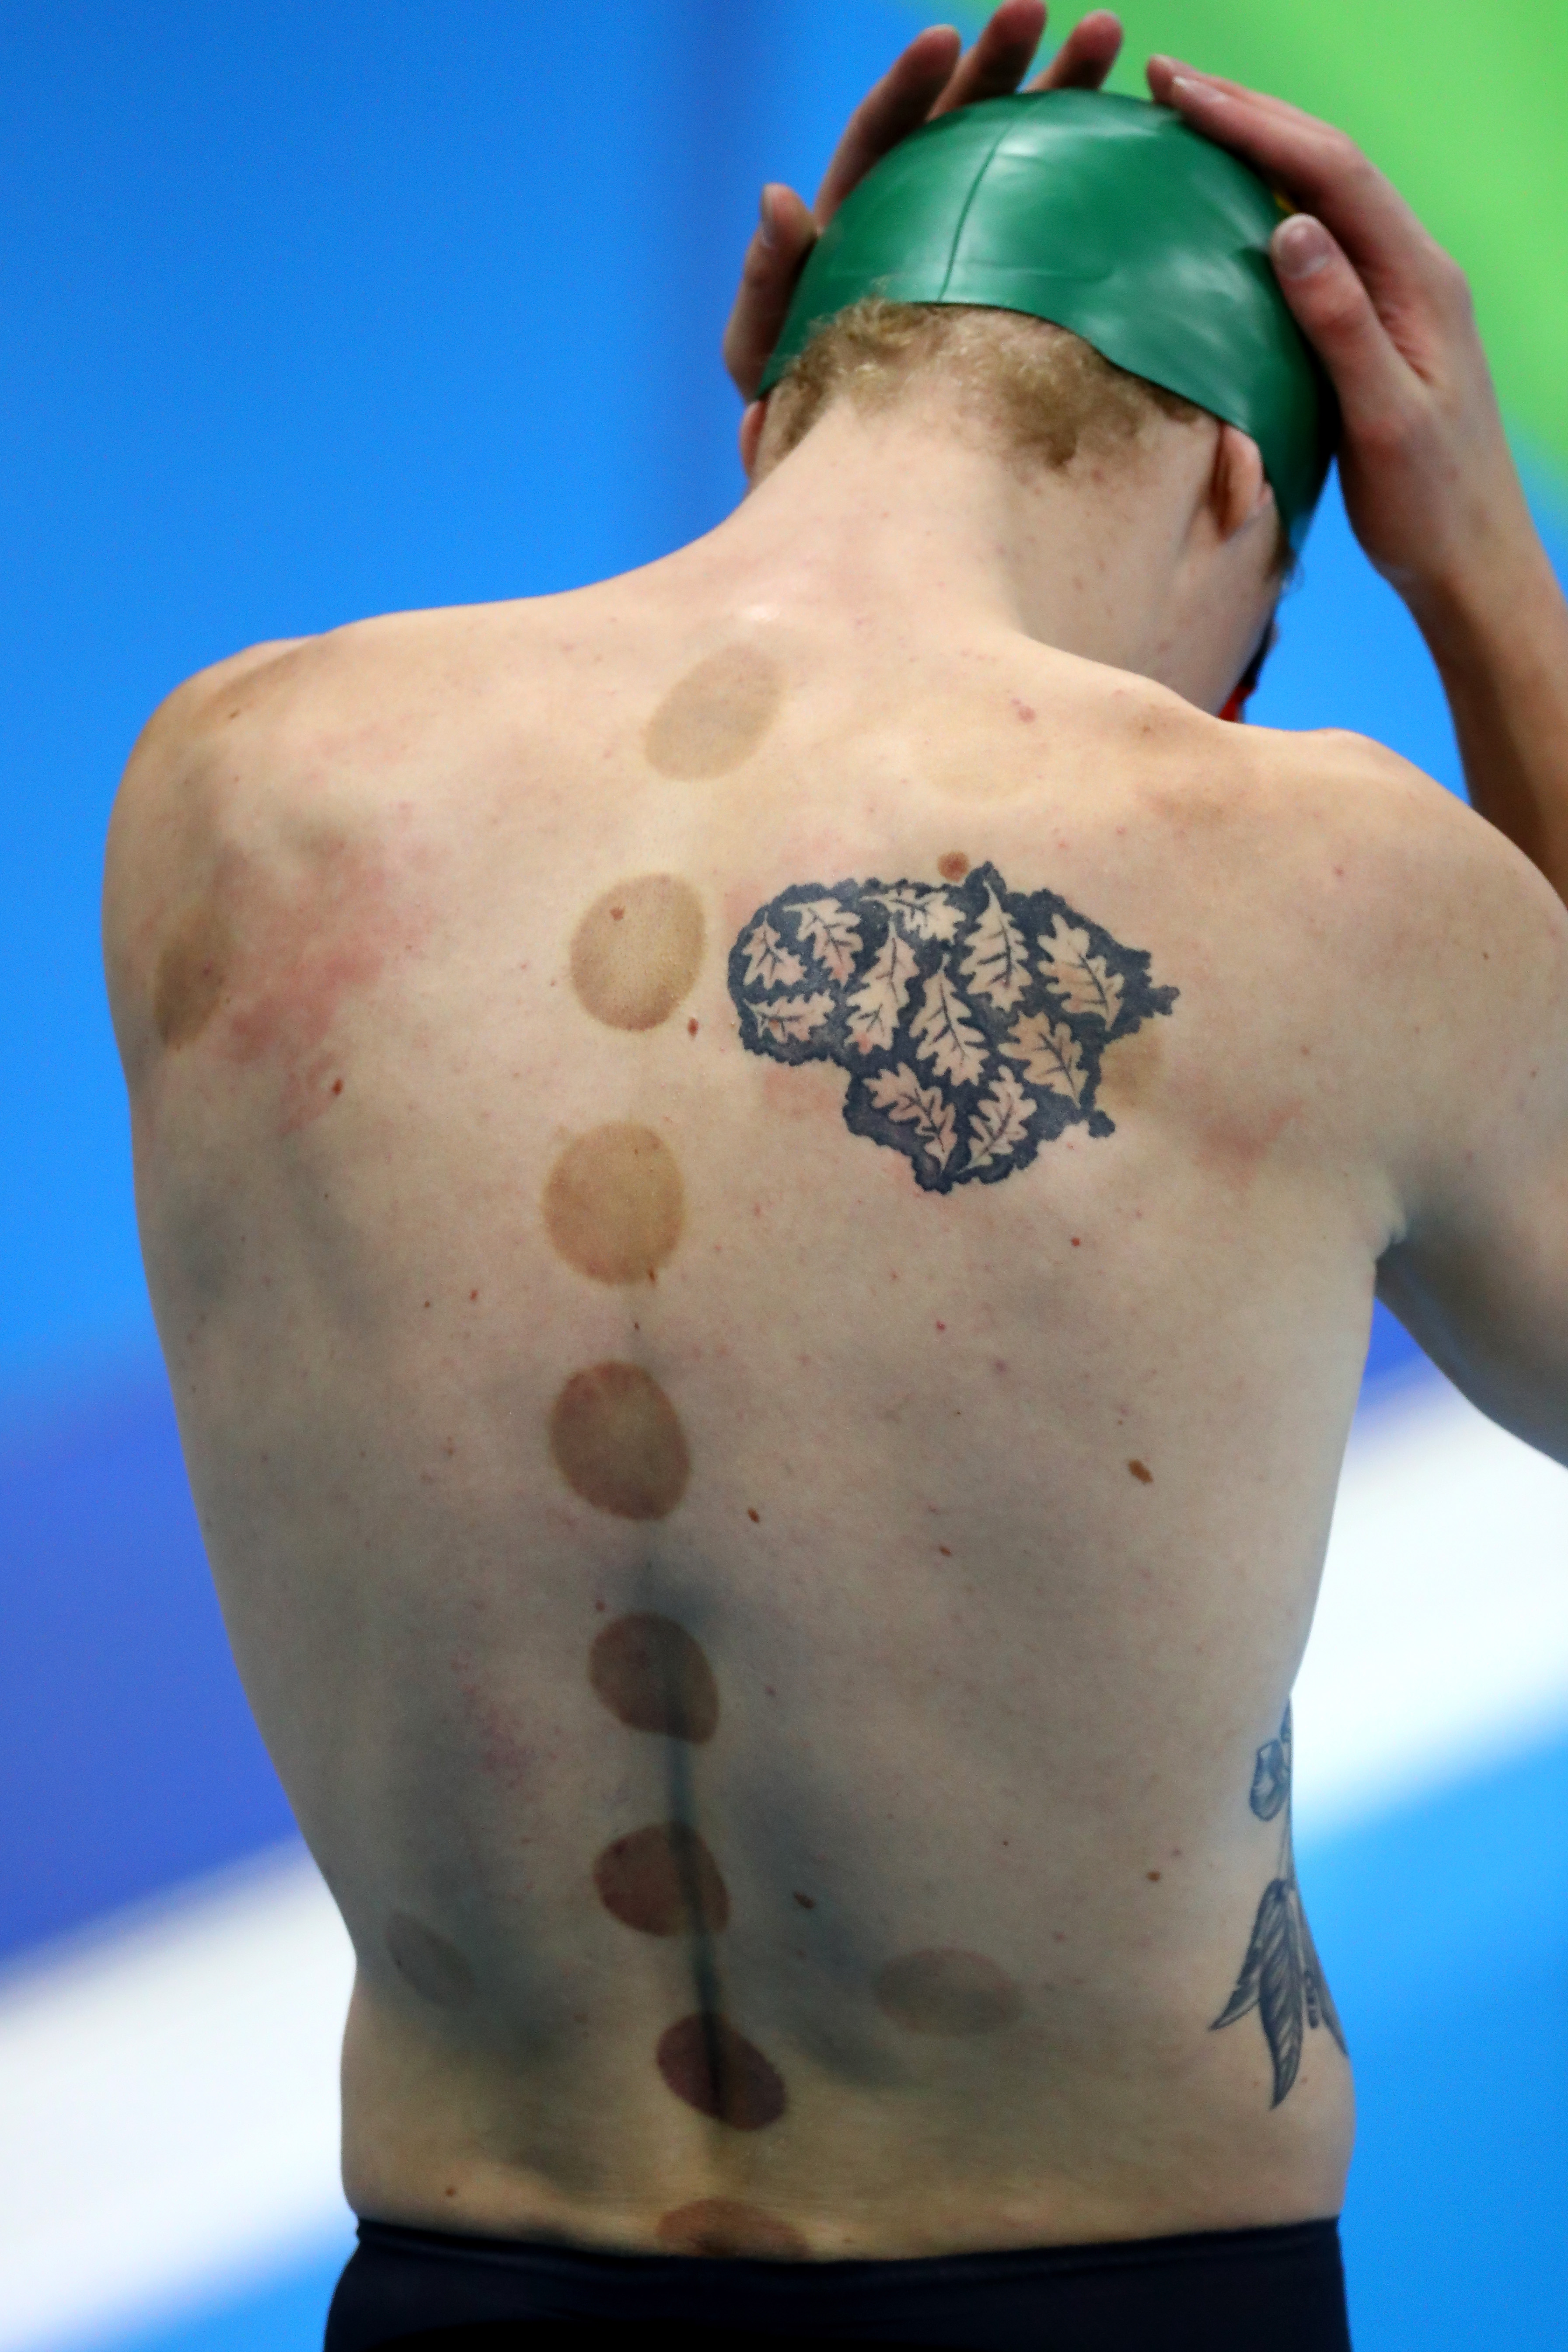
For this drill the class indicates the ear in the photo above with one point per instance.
(1239, 491)
(752, 425)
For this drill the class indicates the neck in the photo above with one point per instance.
(910, 518)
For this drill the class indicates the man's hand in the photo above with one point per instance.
(1429, 482)
(933, 76)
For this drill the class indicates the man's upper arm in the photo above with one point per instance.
(1479, 1275)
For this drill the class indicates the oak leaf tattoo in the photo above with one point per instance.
(1281, 1977)
(972, 1019)
(925, 1108)
(768, 961)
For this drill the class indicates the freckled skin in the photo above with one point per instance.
(949, 1994)
(714, 2068)
(432, 1965)
(614, 1204)
(662, 1881)
(635, 953)
(617, 1442)
(725, 2226)
(716, 717)
(652, 1674)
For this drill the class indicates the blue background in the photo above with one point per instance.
(314, 311)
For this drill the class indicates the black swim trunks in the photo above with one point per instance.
(1278, 2290)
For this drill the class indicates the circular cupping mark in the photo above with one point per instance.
(636, 952)
(717, 2070)
(614, 1203)
(663, 1881)
(716, 716)
(655, 1676)
(723, 2225)
(193, 972)
(433, 1967)
(618, 1442)
(947, 1993)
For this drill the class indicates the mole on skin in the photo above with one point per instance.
(723, 2225)
(188, 985)
(663, 1881)
(435, 1968)
(947, 1993)
(614, 1204)
(653, 1675)
(638, 950)
(618, 1443)
(717, 2070)
(1141, 1472)
(716, 717)
(953, 866)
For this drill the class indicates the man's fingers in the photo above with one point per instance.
(898, 104)
(1316, 166)
(785, 235)
(1000, 58)
(1086, 57)
(1334, 311)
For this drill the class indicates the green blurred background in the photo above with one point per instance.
(1463, 107)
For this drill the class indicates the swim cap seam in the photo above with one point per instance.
(953, 251)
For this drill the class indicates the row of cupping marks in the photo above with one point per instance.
(654, 1676)
(614, 1204)
(613, 1209)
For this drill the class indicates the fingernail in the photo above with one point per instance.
(765, 216)
(1301, 247)
(1191, 89)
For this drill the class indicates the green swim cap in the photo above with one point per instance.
(1106, 216)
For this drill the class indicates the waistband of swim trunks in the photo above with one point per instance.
(936, 2299)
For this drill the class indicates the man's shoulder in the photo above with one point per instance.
(1411, 917)
(1335, 820)
(316, 721)
(390, 660)
(1403, 845)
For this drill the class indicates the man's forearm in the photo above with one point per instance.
(1499, 635)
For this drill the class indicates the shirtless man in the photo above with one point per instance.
(784, 1665)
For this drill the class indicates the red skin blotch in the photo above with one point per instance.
(663, 1881)
(717, 2070)
(268, 959)
(723, 2225)
(654, 1675)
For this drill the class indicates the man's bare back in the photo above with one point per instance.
(779, 1637)
(763, 1185)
